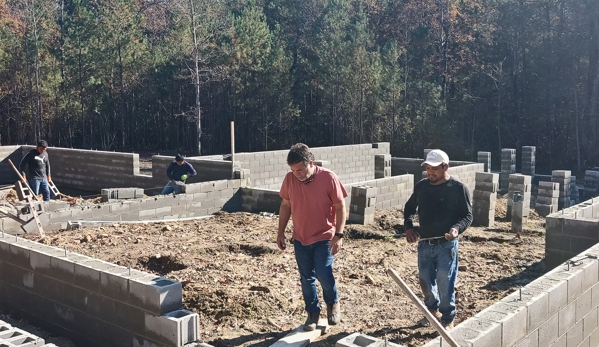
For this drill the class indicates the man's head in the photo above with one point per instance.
(301, 162)
(437, 164)
(41, 146)
(180, 159)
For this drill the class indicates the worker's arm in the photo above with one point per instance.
(23, 164)
(48, 168)
(284, 215)
(340, 217)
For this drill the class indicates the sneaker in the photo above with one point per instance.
(447, 326)
(312, 320)
(424, 321)
(333, 313)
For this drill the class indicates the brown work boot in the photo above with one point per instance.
(447, 326)
(334, 313)
(311, 321)
(424, 321)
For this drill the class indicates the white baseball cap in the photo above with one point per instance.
(436, 157)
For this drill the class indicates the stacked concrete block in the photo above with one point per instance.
(547, 198)
(382, 165)
(485, 158)
(121, 193)
(75, 292)
(574, 197)
(523, 185)
(484, 198)
(362, 204)
(508, 167)
(563, 177)
(591, 184)
(256, 200)
(528, 160)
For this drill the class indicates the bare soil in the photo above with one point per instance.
(247, 292)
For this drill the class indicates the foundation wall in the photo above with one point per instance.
(351, 163)
(7, 174)
(201, 199)
(464, 171)
(95, 303)
(391, 192)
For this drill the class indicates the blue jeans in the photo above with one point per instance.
(316, 262)
(170, 188)
(437, 272)
(36, 184)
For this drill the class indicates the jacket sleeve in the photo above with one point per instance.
(24, 163)
(169, 171)
(192, 171)
(464, 211)
(410, 208)
(48, 165)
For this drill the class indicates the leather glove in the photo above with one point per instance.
(183, 177)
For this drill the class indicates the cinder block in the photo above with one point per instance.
(490, 333)
(548, 331)
(154, 294)
(358, 339)
(574, 335)
(512, 318)
(567, 318)
(175, 328)
(537, 303)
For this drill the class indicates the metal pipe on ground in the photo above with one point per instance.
(423, 308)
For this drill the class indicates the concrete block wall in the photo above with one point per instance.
(7, 174)
(201, 199)
(528, 160)
(571, 231)
(390, 192)
(547, 198)
(484, 198)
(463, 170)
(591, 184)
(95, 303)
(560, 308)
(485, 158)
(563, 177)
(89, 170)
(351, 163)
(508, 167)
(523, 185)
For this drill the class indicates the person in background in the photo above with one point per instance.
(315, 198)
(444, 211)
(38, 175)
(178, 171)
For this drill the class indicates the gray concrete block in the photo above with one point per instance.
(574, 336)
(590, 322)
(567, 318)
(155, 294)
(358, 339)
(531, 340)
(583, 305)
(175, 328)
(536, 302)
(512, 318)
(490, 333)
(548, 331)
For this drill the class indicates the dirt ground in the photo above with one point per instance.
(247, 292)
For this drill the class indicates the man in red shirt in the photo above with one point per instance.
(315, 198)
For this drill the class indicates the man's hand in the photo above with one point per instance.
(24, 177)
(281, 242)
(335, 245)
(49, 178)
(411, 236)
(183, 177)
(452, 234)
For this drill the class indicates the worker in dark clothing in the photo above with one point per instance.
(38, 174)
(178, 171)
(444, 211)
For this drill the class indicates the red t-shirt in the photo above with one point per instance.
(312, 205)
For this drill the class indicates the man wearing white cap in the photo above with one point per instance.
(444, 211)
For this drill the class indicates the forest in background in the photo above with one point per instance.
(150, 75)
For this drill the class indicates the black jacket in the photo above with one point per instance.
(39, 165)
(440, 208)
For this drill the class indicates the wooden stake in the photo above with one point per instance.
(232, 149)
(423, 308)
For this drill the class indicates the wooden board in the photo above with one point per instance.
(301, 338)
